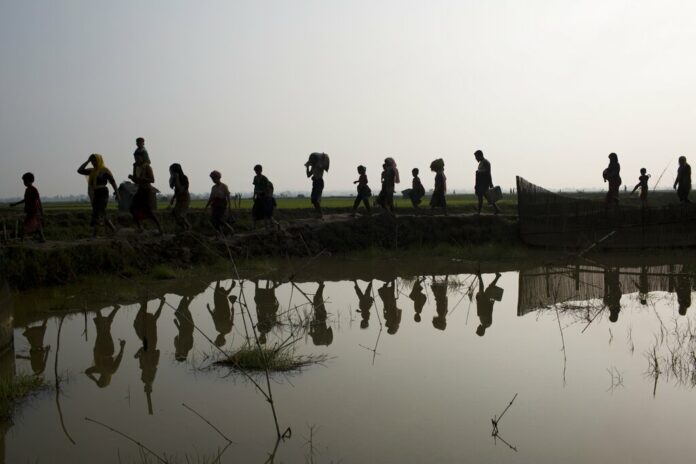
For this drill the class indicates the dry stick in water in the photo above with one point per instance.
(207, 422)
(57, 377)
(127, 437)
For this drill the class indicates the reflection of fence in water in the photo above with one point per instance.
(545, 286)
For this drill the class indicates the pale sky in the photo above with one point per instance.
(545, 88)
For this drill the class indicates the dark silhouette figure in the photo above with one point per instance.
(365, 301)
(144, 199)
(38, 353)
(612, 175)
(219, 204)
(266, 308)
(683, 291)
(642, 185)
(105, 364)
(264, 203)
(484, 180)
(183, 341)
(612, 292)
(392, 314)
(441, 302)
(485, 299)
(222, 314)
(316, 165)
(418, 297)
(33, 208)
(319, 331)
(364, 193)
(148, 355)
(438, 199)
(417, 190)
(682, 184)
(181, 199)
(390, 177)
(98, 176)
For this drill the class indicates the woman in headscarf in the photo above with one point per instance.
(97, 178)
(611, 175)
(390, 176)
(181, 198)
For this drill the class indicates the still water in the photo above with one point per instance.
(601, 359)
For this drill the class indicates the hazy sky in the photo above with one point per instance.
(546, 88)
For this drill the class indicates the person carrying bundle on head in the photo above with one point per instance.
(315, 167)
(438, 199)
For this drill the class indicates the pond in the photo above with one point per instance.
(599, 360)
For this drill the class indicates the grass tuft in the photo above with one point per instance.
(257, 358)
(15, 389)
(162, 272)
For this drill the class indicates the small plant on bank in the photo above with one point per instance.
(258, 358)
(14, 389)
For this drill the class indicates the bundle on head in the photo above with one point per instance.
(320, 160)
(437, 165)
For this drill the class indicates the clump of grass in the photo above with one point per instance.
(15, 389)
(258, 358)
(162, 272)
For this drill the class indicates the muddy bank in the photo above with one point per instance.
(28, 264)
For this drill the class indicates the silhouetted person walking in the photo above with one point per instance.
(683, 182)
(365, 302)
(390, 177)
(219, 204)
(612, 175)
(98, 176)
(642, 185)
(33, 209)
(438, 200)
(144, 198)
(105, 364)
(181, 199)
(485, 299)
(484, 180)
(417, 190)
(264, 203)
(316, 165)
(364, 193)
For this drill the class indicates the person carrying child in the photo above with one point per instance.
(364, 192)
(219, 204)
(390, 177)
(142, 205)
(643, 185)
(33, 209)
(417, 190)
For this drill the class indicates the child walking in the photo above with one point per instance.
(643, 185)
(364, 191)
(417, 189)
(33, 223)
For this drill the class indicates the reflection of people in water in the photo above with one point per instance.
(392, 314)
(321, 334)
(418, 297)
(365, 302)
(612, 292)
(222, 312)
(183, 341)
(38, 353)
(441, 301)
(683, 289)
(146, 329)
(643, 285)
(105, 365)
(266, 308)
(485, 299)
